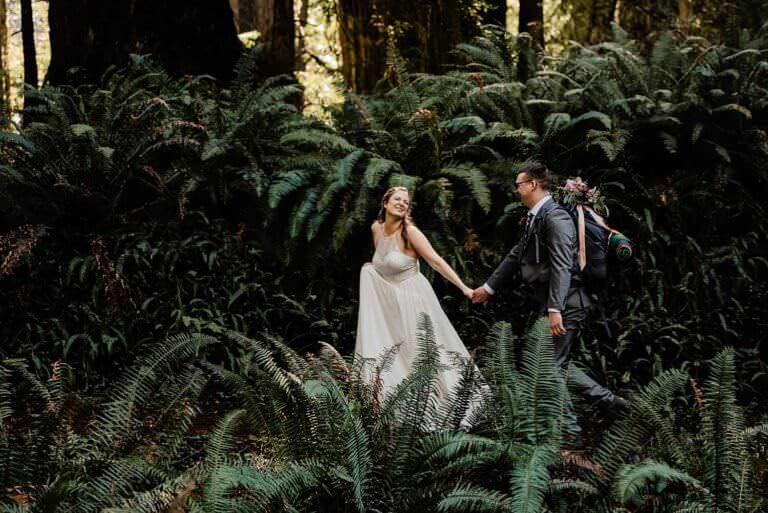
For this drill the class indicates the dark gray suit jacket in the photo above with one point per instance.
(547, 259)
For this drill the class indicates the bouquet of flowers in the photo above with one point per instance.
(578, 192)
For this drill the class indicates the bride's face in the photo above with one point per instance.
(398, 204)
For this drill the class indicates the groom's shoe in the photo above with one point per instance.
(620, 406)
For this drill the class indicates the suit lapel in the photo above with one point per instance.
(534, 224)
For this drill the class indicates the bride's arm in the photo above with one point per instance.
(374, 238)
(375, 233)
(425, 250)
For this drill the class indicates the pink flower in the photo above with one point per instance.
(576, 185)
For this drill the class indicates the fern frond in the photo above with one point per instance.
(475, 180)
(541, 386)
(318, 139)
(529, 479)
(466, 498)
(631, 433)
(632, 481)
(287, 183)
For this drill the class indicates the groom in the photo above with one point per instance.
(547, 258)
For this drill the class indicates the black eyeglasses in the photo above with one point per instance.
(518, 184)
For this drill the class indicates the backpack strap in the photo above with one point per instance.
(581, 230)
(582, 237)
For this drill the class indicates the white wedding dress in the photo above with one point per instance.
(393, 295)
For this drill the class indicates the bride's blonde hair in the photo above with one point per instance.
(407, 221)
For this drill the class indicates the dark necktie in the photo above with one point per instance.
(528, 225)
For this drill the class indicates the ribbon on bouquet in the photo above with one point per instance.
(582, 237)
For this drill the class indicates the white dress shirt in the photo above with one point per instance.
(532, 212)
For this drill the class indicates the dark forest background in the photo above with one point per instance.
(181, 234)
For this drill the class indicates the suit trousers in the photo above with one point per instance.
(574, 319)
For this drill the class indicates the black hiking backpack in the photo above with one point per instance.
(600, 243)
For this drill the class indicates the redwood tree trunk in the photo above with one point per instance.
(531, 20)
(644, 19)
(274, 19)
(363, 38)
(424, 31)
(496, 13)
(685, 14)
(235, 6)
(301, 43)
(185, 36)
(593, 24)
(28, 43)
(246, 14)
(5, 96)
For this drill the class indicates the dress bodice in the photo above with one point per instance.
(391, 263)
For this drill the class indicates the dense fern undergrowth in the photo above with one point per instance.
(179, 262)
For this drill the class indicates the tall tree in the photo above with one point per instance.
(185, 36)
(424, 31)
(362, 34)
(495, 12)
(235, 6)
(590, 20)
(277, 28)
(301, 43)
(5, 96)
(274, 19)
(685, 12)
(644, 19)
(246, 14)
(531, 20)
(28, 43)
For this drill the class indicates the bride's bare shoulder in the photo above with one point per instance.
(413, 230)
(376, 232)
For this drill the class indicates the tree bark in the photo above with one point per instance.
(301, 43)
(424, 32)
(184, 36)
(28, 43)
(685, 13)
(274, 19)
(246, 14)
(362, 35)
(496, 13)
(235, 6)
(593, 25)
(644, 19)
(5, 93)
(531, 20)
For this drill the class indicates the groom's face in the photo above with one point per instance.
(524, 186)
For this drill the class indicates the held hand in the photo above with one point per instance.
(468, 292)
(556, 324)
(480, 296)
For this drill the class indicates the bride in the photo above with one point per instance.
(393, 294)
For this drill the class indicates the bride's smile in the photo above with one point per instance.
(398, 204)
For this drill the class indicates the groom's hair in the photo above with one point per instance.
(538, 172)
